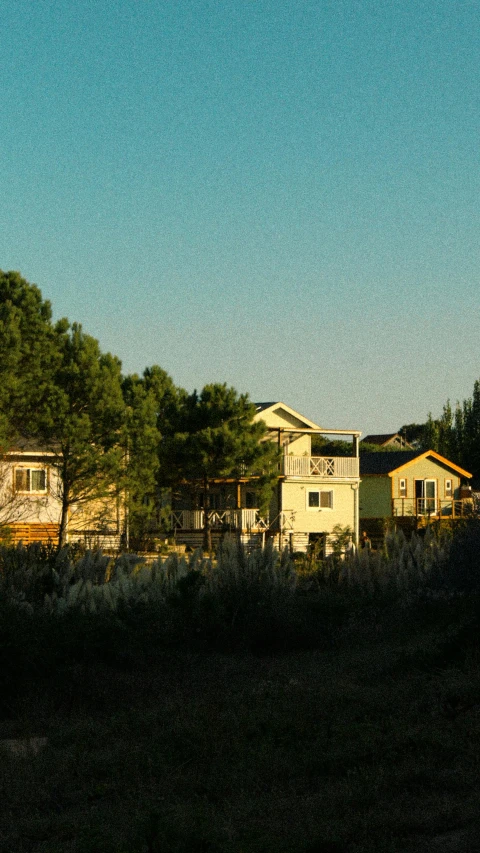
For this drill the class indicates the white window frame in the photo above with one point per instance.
(28, 474)
(402, 490)
(449, 488)
(319, 492)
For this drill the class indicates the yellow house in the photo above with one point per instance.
(314, 494)
(30, 503)
(417, 484)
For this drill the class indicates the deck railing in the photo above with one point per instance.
(225, 519)
(320, 466)
(431, 507)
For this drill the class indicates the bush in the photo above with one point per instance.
(462, 570)
(87, 606)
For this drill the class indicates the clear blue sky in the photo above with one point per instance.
(283, 196)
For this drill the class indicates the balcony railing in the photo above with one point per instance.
(320, 466)
(219, 519)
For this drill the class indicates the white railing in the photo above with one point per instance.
(320, 466)
(234, 519)
(283, 521)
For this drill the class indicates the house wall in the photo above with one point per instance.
(279, 417)
(104, 514)
(425, 469)
(24, 507)
(301, 446)
(375, 497)
(321, 520)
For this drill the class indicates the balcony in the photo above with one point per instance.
(245, 520)
(321, 466)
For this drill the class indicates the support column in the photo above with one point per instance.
(356, 514)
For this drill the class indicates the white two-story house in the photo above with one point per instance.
(313, 495)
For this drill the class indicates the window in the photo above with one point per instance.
(448, 489)
(30, 480)
(403, 488)
(318, 499)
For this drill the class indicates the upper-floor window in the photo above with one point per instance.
(448, 488)
(402, 488)
(33, 480)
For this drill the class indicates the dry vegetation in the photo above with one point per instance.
(243, 709)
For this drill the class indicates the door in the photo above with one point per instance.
(426, 497)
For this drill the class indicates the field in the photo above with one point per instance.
(366, 742)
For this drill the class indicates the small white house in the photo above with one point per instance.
(30, 503)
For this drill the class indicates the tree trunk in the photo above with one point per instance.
(62, 533)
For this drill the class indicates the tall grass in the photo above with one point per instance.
(259, 600)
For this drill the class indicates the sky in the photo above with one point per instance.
(282, 195)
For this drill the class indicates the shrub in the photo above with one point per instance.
(462, 569)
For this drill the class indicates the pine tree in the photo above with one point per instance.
(85, 428)
(216, 437)
(152, 402)
(28, 357)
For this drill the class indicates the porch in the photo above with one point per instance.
(232, 520)
(432, 507)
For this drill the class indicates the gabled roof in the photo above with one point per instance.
(260, 407)
(280, 411)
(386, 438)
(392, 462)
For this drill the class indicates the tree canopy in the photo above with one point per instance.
(85, 428)
(28, 356)
(152, 403)
(455, 434)
(215, 437)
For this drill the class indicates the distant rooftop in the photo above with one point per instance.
(384, 439)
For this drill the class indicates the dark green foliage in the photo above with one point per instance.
(462, 573)
(152, 403)
(58, 388)
(455, 435)
(84, 430)
(322, 446)
(28, 357)
(215, 436)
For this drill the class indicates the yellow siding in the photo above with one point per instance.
(106, 514)
(323, 520)
(300, 447)
(279, 417)
(424, 469)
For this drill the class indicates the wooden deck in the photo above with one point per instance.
(28, 533)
